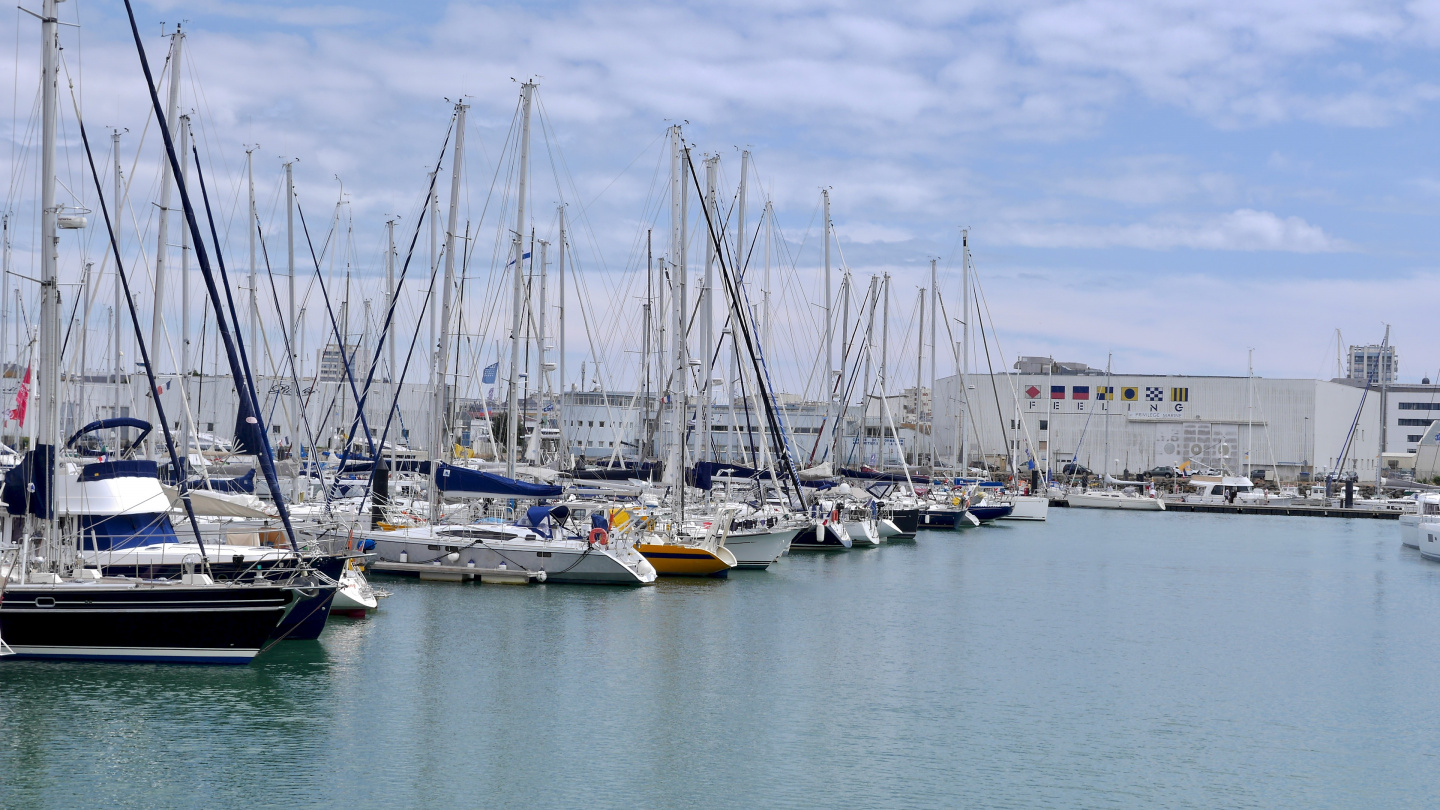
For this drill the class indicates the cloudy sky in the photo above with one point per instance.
(1173, 183)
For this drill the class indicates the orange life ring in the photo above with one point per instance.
(599, 537)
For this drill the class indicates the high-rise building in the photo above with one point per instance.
(1373, 363)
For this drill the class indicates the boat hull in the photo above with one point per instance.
(687, 561)
(940, 518)
(562, 562)
(1410, 530)
(1100, 500)
(1029, 507)
(905, 521)
(862, 534)
(822, 537)
(760, 550)
(104, 621)
(985, 514)
(1429, 541)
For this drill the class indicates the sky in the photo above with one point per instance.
(1166, 185)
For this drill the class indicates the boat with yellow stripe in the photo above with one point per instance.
(674, 553)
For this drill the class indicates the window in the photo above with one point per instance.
(602, 424)
(1419, 406)
(1414, 422)
(1413, 437)
(273, 429)
(1044, 424)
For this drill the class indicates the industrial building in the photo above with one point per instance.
(1292, 429)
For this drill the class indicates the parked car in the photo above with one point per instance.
(1075, 469)
(1162, 472)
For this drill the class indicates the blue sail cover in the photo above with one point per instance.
(28, 484)
(114, 422)
(248, 440)
(113, 532)
(870, 475)
(239, 484)
(460, 481)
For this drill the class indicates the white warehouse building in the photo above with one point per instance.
(1294, 429)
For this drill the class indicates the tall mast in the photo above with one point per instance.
(677, 273)
(884, 358)
(184, 364)
(560, 334)
(934, 353)
(162, 246)
(829, 386)
(919, 374)
(439, 441)
(512, 411)
(393, 374)
(434, 204)
(707, 314)
(1380, 369)
(119, 288)
(543, 380)
(291, 324)
(5, 299)
(644, 351)
(871, 295)
(741, 264)
(47, 382)
(964, 409)
(769, 237)
(250, 227)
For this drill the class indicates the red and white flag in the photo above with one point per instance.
(22, 398)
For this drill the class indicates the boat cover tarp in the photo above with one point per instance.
(28, 484)
(107, 532)
(241, 484)
(876, 475)
(248, 440)
(460, 481)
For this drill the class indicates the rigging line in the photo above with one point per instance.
(249, 404)
(139, 339)
(340, 338)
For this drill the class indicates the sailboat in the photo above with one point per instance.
(52, 605)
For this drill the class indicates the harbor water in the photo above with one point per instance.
(1098, 660)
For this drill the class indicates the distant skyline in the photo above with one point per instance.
(1171, 184)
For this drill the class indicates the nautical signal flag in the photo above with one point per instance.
(1154, 393)
(1104, 392)
(488, 376)
(1080, 392)
(1179, 394)
(1130, 393)
(1057, 392)
(1032, 392)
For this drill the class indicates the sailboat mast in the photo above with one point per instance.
(707, 315)
(543, 384)
(119, 288)
(184, 364)
(251, 228)
(560, 345)
(884, 359)
(291, 324)
(919, 373)
(769, 236)
(162, 239)
(677, 286)
(961, 458)
(829, 384)
(441, 436)
(394, 374)
(47, 382)
(934, 356)
(434, 204)
(512, 411)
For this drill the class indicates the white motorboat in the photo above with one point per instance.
(1428, 506)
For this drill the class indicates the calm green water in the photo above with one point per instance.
(1099, 660)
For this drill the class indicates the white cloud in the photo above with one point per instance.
(1243, 229)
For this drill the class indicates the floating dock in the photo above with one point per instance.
(1293, 510)
(457, 573)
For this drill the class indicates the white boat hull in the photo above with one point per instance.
(1114, 500)
(1410, 530)
(562, 561)
(1029, 507)
(862, 534)
(355, 594)
(760, 550)
(1429, 540)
